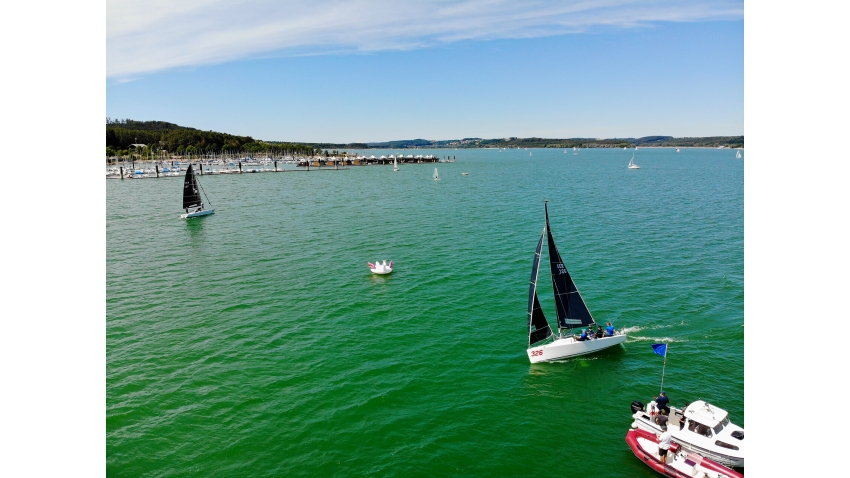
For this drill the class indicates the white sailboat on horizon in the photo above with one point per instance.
(632, 164)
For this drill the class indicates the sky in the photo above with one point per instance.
(365, 71)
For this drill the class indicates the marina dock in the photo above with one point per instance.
(204, 167)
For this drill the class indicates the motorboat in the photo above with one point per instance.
(381, 267)
(698, 427)
(680, 463)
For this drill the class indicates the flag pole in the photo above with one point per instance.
(663, 369)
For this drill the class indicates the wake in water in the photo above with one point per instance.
(665, 340)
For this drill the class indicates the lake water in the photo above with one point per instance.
(255, 342)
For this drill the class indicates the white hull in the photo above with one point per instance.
(634, 166)
(567, 347)
(381, 271)
(205, 212)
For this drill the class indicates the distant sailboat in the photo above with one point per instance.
(436, 175)
(395, 164)
(529, 154)
(677, 150)
(192, 196)
(632, 164)
(738, 154)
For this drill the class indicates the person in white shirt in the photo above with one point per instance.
(664, 443)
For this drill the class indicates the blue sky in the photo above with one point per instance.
(373, 71)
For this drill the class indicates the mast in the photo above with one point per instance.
(536, 318)
(570, 307)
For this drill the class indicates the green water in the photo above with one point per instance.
(255, 342)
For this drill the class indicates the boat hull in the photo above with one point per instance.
(381, 271)
(570, 347)
(680, 463)
(205, 212)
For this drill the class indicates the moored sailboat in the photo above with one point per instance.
(192, 196)
(571, 312)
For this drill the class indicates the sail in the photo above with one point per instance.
(191, 191)
(571, 309)
(536, 319)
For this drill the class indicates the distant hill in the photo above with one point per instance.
(164, 136)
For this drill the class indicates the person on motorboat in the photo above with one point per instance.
(662, 418)
(664, 443)
(662, 401)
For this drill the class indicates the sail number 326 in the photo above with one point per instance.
(535, 353)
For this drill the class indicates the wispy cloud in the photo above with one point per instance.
(144, 36)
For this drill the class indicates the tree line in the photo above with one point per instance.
(160, 136)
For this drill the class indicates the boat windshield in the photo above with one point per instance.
(720, 425)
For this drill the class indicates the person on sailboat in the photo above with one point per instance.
(583, 335)
(609, 329)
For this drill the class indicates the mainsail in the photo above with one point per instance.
(536, 319)
(191, 191)
(572, 311)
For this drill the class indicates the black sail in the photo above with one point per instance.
(191, 191)
(572, 311)
(538, 327)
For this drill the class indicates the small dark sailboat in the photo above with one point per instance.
(571, 312)
(192, 202)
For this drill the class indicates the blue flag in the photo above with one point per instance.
(660, 349)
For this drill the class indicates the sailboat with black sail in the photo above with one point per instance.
(192, 202)
(543, 344)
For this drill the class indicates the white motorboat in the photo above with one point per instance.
(699, 427)
(381, 267)
(465, 174)
(192, 202)
(543, 344)
(632, 164)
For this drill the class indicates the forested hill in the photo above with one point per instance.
(159, 135)
(162, 136)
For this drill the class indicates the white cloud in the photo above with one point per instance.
(144, 36)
